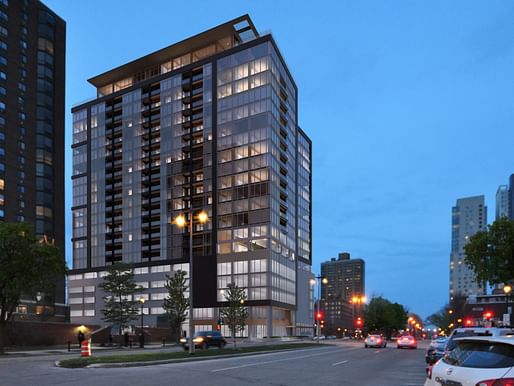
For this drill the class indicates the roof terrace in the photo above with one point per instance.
(193, 49)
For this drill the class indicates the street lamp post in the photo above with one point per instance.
(507, 289)
(181, 222)
(39, 296)
(142, 336)
(321, 280)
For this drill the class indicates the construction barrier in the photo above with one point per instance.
(85, 349)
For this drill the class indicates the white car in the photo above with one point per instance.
(476, 361)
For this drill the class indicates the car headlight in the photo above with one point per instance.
(183, 340)
(198, 340)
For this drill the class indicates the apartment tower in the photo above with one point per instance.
(209, 123)
(341, 297)
(32, 67)
(469, 216)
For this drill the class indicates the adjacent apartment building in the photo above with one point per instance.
(32, 67)
(209, 123)
(342, 296)
(469, 216)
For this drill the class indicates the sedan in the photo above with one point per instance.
(435, 351)
(375, 341)
(204, 340)
(407, 341)
(480, 361)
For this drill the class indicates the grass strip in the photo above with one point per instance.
(160, 356)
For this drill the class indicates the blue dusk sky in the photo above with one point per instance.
(409, 105)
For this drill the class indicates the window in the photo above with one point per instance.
(3, 75)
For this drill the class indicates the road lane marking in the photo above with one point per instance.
(339, 363)
(269, 362)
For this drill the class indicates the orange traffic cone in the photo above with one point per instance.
(85, 349)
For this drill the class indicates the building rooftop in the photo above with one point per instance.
(190, 50)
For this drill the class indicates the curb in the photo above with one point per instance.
(178, 360)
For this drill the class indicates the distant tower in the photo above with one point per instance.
(469, 216)
(502, 201)
(345, 280)
(511, 197)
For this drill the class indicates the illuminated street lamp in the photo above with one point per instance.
(321, 280)
(507, 289)
(357, 300)
(181, 222)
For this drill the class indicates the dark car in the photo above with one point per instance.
(205, 339)
(435, 351)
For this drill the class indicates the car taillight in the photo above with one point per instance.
(497, 382)
(379, 340)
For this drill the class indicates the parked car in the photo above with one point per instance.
(467, 332)
(476, 361)
(436, 350)
(407, 341)
(375, 341)
(205, 339)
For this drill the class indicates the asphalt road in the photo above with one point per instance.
(341, 363)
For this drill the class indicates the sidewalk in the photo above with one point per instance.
(75, 349)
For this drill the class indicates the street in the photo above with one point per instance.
(341, 363)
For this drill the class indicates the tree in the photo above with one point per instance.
(442, 318)
(382, 315)
(491, 253)
(235, 313)
(27, 266)
(119, 287)
(176, 304)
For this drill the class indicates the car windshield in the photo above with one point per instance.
(202, 333)
(487, 355)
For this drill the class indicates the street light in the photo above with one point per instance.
(181, 222)
(507, 289)
(321, 280)
(142, 336)
(357, 300)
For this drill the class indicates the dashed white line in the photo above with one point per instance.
(339, 363)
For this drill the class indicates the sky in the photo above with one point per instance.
(409, 105)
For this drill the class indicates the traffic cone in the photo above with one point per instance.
(85, 349)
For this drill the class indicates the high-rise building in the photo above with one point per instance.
(469, 216)
(32, 67)
(502, 201)
(511, 196)
(209, 123)
(345, 283)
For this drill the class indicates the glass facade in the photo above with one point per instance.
(217, 133)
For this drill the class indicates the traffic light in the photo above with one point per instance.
(220, 323)
(469, 322)
(358, 322)
(319, 315)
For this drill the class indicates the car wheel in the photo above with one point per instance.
(398, 347)
(204, 346)
(222, 344)
(365, 346)
(185, 348)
